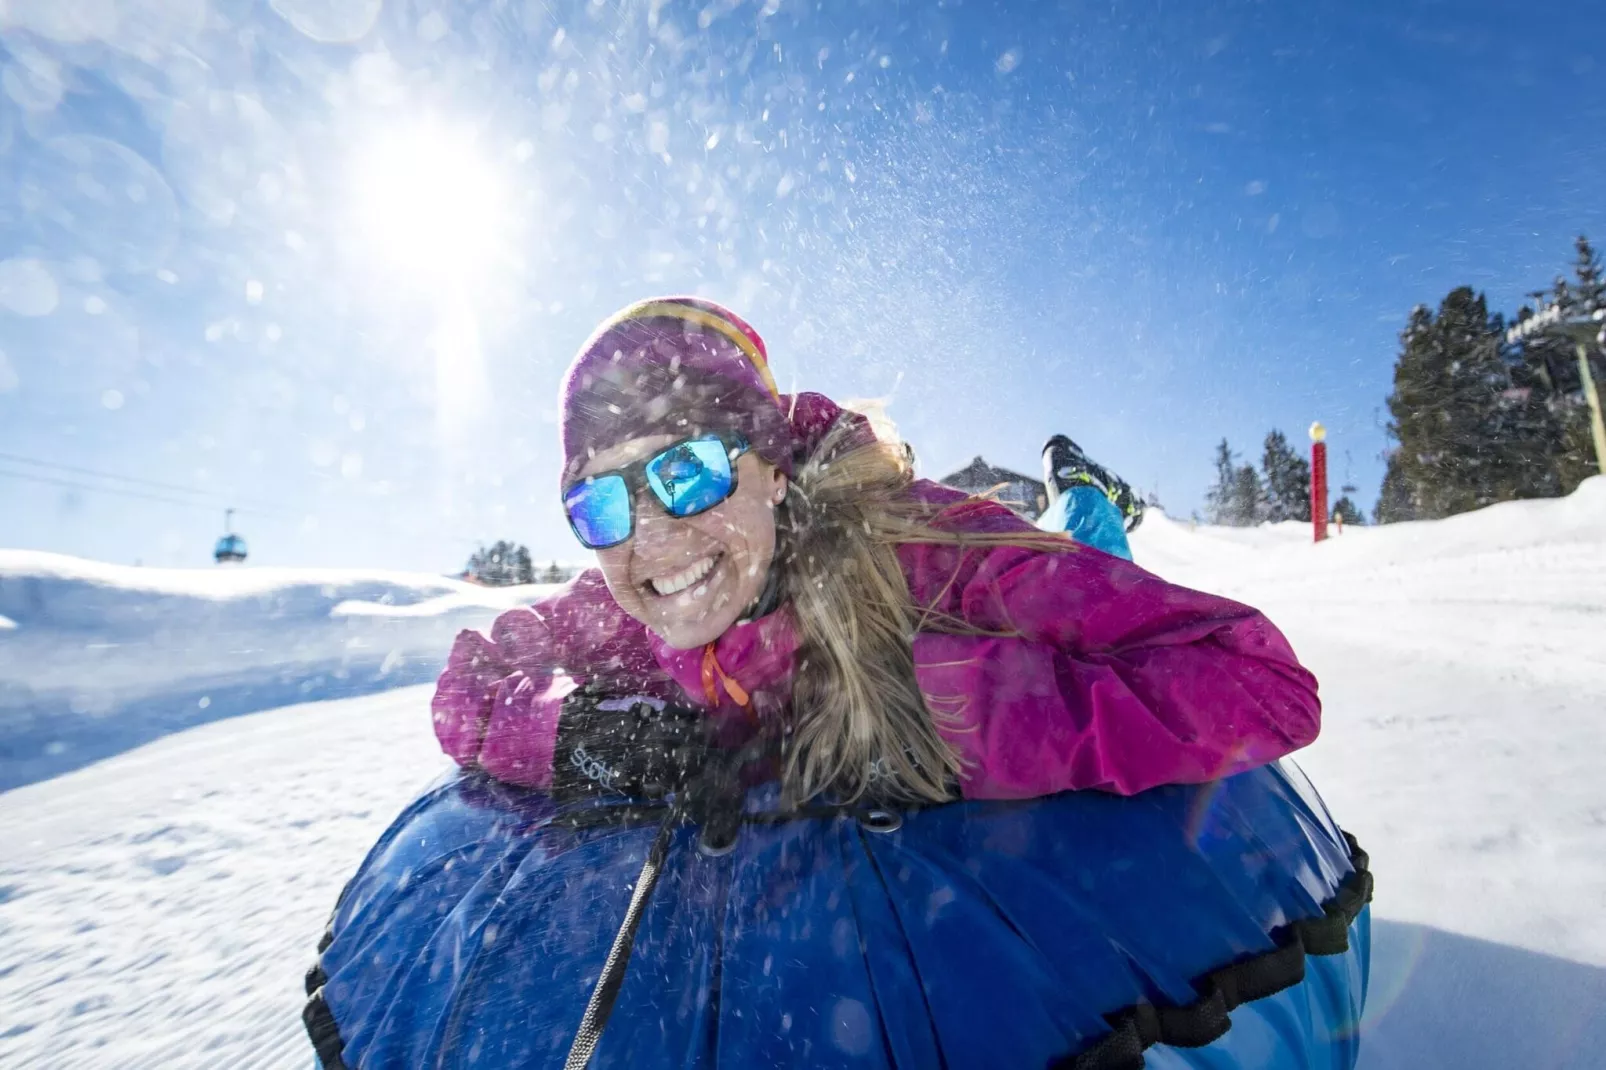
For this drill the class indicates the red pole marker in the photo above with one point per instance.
(1318, 479)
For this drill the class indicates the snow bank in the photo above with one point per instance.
(1517, 589)
(160, 907)
(97, 658)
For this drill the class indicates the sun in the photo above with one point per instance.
(428, 202)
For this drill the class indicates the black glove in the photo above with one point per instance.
(634, 746)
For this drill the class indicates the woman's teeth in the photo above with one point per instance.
(681, 580)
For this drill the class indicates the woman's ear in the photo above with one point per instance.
(778, 486)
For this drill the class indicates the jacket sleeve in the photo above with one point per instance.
(497, 703)
(1085, 671)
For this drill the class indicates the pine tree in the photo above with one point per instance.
(1236, 499)
(502, 565)
(1218, 500)
(1574, 451)
(1346, 511)
(1448, 386)
(1590, 289)
(1287, 477)
(1221, 495)
(1394, 502)
(1248, 498)
(1552, 423)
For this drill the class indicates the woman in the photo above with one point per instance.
(928, 636)
(778, 599)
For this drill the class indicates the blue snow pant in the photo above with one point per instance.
(1087, 516)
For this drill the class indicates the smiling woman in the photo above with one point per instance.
(429, 203)
(845, 677)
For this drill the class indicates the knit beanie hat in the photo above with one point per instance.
(672, 365)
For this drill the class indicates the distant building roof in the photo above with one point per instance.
(1023, 494)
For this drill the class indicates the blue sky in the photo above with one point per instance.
(325, 261)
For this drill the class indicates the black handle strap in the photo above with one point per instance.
(599, 1008)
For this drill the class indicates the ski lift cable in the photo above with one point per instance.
(78, 470)
(127, 492)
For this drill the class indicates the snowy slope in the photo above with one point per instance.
(1463, 669)
(98, 658)
(157, 908)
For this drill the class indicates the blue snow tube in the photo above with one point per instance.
(1082, 930)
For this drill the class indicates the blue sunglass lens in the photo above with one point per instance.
(599, 511)
(691, 477)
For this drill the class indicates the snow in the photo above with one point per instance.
(99, 658)
(157, 907)
(1463, 672)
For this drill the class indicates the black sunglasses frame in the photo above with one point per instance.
(634, 475)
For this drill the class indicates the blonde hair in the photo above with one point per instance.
(860, 720)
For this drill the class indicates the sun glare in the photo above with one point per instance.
(429, 202)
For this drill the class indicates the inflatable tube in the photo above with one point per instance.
(1081, 930)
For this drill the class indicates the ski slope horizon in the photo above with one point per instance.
(159, 905)
(162, 649)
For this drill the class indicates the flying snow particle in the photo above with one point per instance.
(112, 399)
(432, 27)
(329, 22)
(8, 374)
(253, 292)
(33, 80)
(1255, 188)
(379, 79)
(850, 1026)
(657, 137)
(27, 288)
(1008, 61)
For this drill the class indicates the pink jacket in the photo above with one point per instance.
(1110, 678)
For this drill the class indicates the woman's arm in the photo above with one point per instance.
(1100, 675)
(499, 700)
(493, 716)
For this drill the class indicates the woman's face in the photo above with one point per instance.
(690, 579)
